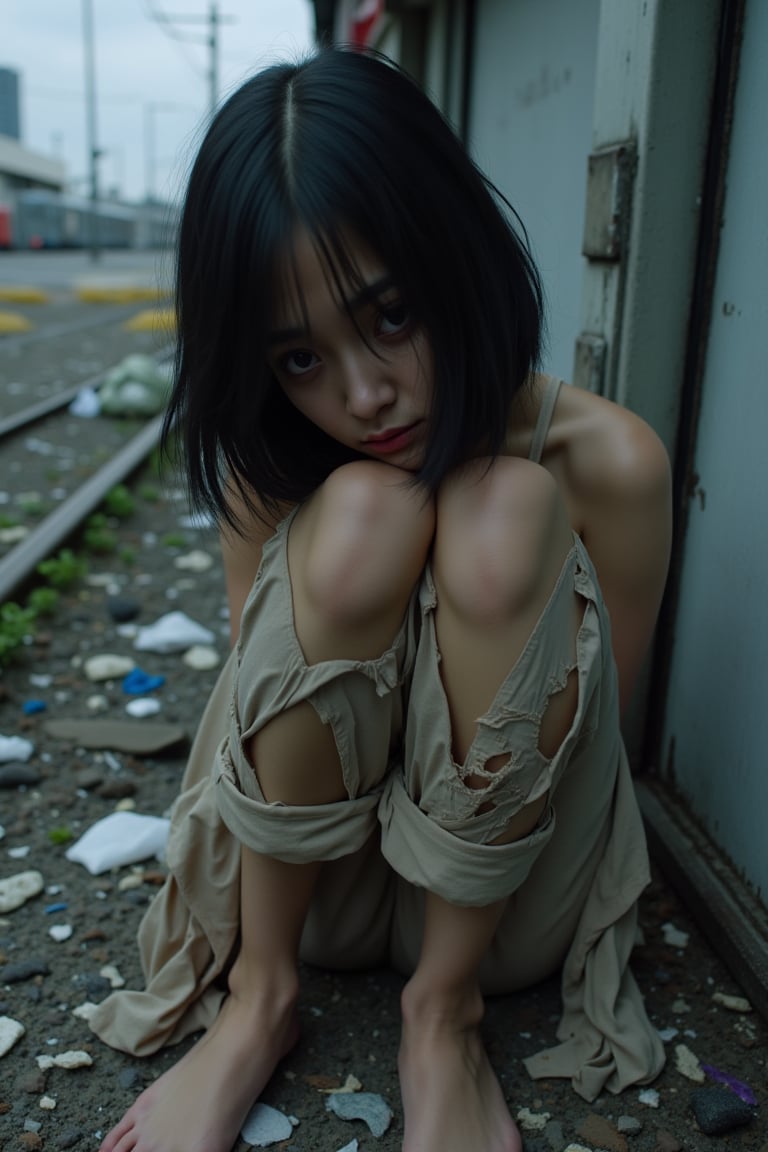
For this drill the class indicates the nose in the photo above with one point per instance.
(368, 387)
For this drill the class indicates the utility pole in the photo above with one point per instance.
(214, 20)
(90, 112)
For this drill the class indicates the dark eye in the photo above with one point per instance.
(299, 361)
(393, 318)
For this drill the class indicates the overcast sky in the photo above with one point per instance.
(152, 78)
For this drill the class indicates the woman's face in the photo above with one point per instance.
(365, 379)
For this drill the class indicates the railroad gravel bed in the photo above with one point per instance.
(349, 1021)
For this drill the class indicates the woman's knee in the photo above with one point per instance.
(361, 542)
(502, 534)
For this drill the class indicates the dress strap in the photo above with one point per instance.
(548, 401)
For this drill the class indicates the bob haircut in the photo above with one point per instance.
(349, 147)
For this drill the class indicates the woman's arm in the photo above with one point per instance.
(241, 551)
(627, 506)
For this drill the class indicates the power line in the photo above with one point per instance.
(214, 19)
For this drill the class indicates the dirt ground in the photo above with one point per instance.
(349, 1021)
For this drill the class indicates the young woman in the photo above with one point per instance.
(444, 571)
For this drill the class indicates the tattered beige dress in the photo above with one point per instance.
(410, 823)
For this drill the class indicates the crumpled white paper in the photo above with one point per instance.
(174, 632)
(120, 838)
(15, 748)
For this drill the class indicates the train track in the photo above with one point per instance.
(126, 453)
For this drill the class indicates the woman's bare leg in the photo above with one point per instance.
(355, 552)
(501, 541)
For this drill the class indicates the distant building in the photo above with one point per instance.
(10, 124)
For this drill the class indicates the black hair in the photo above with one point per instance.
(342, 143)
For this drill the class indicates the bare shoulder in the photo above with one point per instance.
(611, 452)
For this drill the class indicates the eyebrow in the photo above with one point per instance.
(364, 296)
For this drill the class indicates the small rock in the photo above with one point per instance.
(649, 1097)
(21, 970)
(201, 658)
(68, 1138)
(16, 890)
(16, 748)
(554, 1135)
(117, 788)
(31, 1141)
(532, 1121)
(602, 1133)
(196, 561)
(60, 932)
(673, 936)
(10, 1031)
(718, 1110)
(47, 1103)
(122, 609)
(264, 1126)
(108, 667)
(89, 778)
(666, 1142)
(687, 1064)
(71, 1059)
(130, 1079)
(629, 1125)
(732, 1003)
(15, 775)
(366, 1106)
(143, 707)
(31, 1082)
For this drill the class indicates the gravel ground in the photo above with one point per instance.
(350, 1021)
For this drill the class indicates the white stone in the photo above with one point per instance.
(85, 1011)
(108, 666)
(196, 561)
(10, 1032)
(71, 1059)
(60, 932)
(264, 1126)
(674, 936)
(15, 748)
(533, 1121)
(732, 1003)
(688, 1064)
(142, 707)
(201, 657)
(118, 839)
(47, 1103)
(111, 973)
(649, 1097)
(97, 704)
(16, 890)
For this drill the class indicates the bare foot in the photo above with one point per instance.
(452, 1100)
(199, 1105)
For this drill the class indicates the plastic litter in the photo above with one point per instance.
(120, 838)
(743, 1091)
(138, 682)
(85, 404)
(137, 386)
(174, 632)
(15, 748)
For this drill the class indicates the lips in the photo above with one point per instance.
(394, 440)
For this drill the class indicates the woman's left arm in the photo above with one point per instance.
(628, 534)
